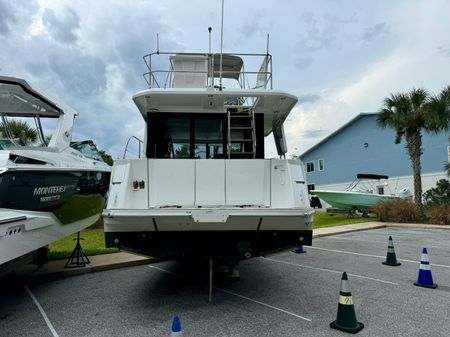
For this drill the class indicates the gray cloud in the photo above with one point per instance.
(317, 35)
(317, 133)
(62, 27)
(308, 98)
(15, 16)
(445, 49)
(7, 17)
(303, 62)
(377, 31)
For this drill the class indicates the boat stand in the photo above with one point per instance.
(228, 271)
(78, 258)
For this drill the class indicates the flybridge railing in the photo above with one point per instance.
(199, 70)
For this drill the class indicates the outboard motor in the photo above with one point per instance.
(405, 193)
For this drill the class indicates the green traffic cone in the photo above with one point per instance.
(346, 316)
(391, 258)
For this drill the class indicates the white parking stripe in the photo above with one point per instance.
(377, 256)
(163, 270)
(244, 297)
(397, 242)
(264, 304)
(49, 324)
(331, 271)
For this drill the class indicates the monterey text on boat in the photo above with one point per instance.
(205, 187)
(47, 191)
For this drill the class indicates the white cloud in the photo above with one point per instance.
(340, 58)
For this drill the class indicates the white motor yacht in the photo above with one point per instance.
(204, 186)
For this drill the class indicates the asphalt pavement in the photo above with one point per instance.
(284, 294)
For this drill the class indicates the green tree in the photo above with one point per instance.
(447, 165)
(411, 113)
(20, 130)
(439, 194)
(106, 157)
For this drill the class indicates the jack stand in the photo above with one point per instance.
(210, 277)
(78, 254)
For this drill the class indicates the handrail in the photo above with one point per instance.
(128, 142)
(151, 76)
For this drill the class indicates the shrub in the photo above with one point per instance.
(439, 194)
(398, 211)
(439, 214)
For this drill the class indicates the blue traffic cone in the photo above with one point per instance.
(176, 328)
(299, 250)
(391, 258)
(425, 279)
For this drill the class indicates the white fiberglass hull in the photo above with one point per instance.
(23, 232)
(348, 200)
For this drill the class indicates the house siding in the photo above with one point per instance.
(345, 153)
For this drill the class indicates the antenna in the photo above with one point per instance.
(221, 50)
(267, 50)
(210, 62)
(209, 30)
(157, 43)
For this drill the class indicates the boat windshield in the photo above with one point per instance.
(88, 149)
(6, 144)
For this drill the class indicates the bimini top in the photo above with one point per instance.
(371, 176)
(17, 98)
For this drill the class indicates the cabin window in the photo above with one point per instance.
(194, 136)
(380, 189)
(321, 165)
(310, 166)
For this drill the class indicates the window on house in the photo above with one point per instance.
(311, 187)
(321, 165)
(310, 166)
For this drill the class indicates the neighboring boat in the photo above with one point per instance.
(361, 194)
(204, 187)
(50, 191)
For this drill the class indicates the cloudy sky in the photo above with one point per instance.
(339, 57)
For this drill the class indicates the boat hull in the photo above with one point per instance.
(176, 233)
(346, 200)
(40, 207)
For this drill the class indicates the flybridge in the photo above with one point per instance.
(196, 70)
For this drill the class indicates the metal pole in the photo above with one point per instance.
(221, 50)
(210, 278)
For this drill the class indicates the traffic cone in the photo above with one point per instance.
(425, 279)
(346, 317)
(299, 250)
(176, 328)
(391, 258)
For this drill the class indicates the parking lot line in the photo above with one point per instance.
(241, 296)
(397, 242)
(49, 324)
(263, 304)
(163, 270)
(376, 256)
(331, 271)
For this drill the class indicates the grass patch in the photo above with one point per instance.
(93, 244)
(323, 219)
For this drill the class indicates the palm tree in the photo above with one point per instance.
(20, 130)
(410, 113)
